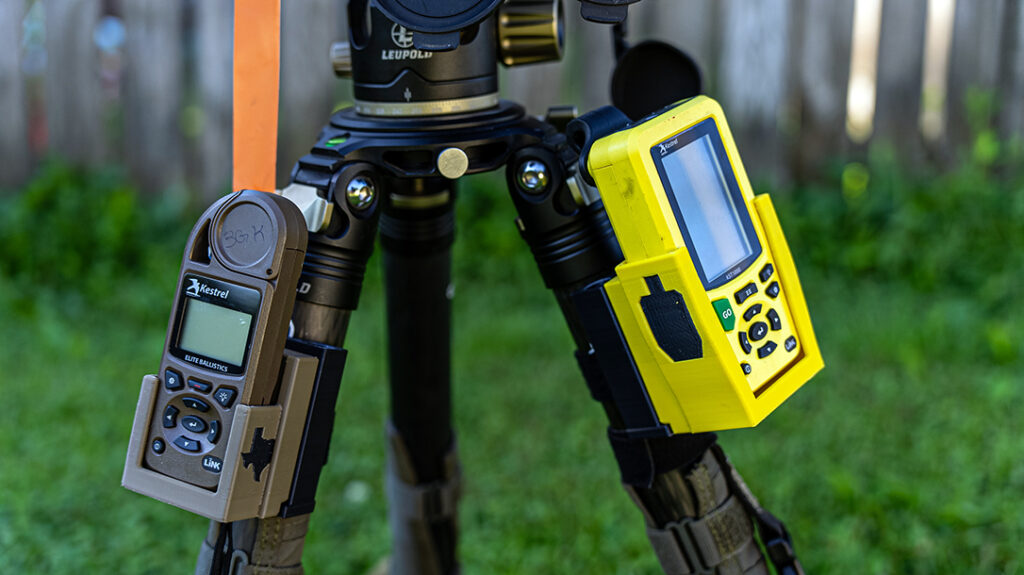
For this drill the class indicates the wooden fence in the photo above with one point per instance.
(147, 83)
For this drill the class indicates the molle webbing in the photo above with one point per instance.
(718, 539)
(258, 547)
(773, 533)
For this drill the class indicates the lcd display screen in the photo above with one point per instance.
(216, 332)
(718, 229)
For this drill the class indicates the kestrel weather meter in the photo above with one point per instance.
(707, 299)
(206, 424)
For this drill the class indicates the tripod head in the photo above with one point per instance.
(424, 59)
(411, 59)
(453, 16)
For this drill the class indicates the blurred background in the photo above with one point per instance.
(888, 131)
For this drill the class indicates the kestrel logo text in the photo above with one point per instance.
(666, 146)
(197, 288)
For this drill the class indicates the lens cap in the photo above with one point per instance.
(652, 75)
(437, 17)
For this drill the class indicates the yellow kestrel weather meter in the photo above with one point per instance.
(707, 300)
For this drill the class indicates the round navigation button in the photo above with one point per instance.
(758, 331)
(193, 424)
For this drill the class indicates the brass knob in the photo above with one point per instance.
(530, 31)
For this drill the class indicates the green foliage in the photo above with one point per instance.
(903, 455)
(487, 242)
(86, 239)
(957, 230)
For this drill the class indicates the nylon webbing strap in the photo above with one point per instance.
(278, 546)
(718, 537)
(254, 547)
(420, 501)
(424, 502)
(413, 507)
(257, 65)
(721, 543)
(774, 535)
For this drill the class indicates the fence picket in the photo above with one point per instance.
(537, 86)
(900, 61)
(590, 60)
(973, 62)
(1011, 82)
(753, 81)
(824, 74)
(308, 83)
(689, 25)
(779, 67)
(13, 111)
(152, 93)
(74, 104)
(215, 42)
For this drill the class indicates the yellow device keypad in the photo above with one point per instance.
(757, 321)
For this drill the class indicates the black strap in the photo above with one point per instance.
(590, 127)
(777, 542)
(640, 459)
(222, 550)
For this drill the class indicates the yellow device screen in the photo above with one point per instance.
(708, 299)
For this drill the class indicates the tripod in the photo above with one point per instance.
(426, 114)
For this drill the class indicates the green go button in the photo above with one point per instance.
(725, 314)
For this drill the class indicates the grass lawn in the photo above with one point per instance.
(904, 456)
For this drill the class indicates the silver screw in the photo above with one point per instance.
(360, 192)
(533, 176)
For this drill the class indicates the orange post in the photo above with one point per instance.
(256, 76)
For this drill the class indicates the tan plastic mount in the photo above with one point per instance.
(239, 495)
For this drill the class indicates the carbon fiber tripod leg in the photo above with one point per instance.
(699, 519)
(417, 229)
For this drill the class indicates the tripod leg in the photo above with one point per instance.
(697, 515)
(328, 293)
(417, 230)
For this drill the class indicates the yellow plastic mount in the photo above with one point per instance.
(711, 392)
